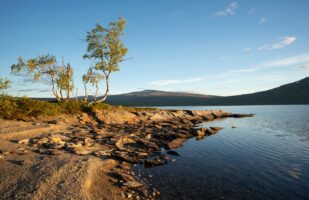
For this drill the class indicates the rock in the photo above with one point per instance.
(60, 137)
(154, 162)
(176, 143)
(41, 141)
(49, 151)
(148, 137)
(216, 128)
(233, 126)
(142, 154)
(102, 153)
(52, 122)
(24, 141)
(89, 142)
(81, 151)
(241, 115)
(132, 184)
(164, 157)
(120, 144)
(55, 142)
(122, 155)
(152, 145)
(201, 132)
(174, 153)
(21, 150)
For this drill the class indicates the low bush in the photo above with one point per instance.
(17, 108)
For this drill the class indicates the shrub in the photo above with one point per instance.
(18, 108)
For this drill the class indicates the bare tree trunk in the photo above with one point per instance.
(106, 91)
(96, 92)
(68, 79)
(53, 89)
(86, 93)
(61, 96)
(76, 95)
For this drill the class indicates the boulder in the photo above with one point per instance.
(176, 143)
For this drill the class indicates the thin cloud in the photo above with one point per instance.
(244, 70)
(262, 20)
(304, 66)
(171, 82)
(252, 11)
(292, 60)
(283, 62)
(247, 49)
(229, 11)
(283, 42)
(27, 90)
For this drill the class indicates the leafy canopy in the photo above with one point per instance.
(4, 83)
(105, 46)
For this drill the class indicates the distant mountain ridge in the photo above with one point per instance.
(165, 93)
(292, 93)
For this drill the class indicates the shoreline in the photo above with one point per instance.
(104, 145)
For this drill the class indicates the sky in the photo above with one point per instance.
(216, 47)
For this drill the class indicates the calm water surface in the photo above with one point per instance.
(264, 157)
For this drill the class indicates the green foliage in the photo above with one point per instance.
(18, 108)
(43, 64)
(100, 106)
(4, 83)
(72, 107)
(93, 78)
(106, 48)
(60, 76)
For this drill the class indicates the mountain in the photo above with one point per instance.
(292, 93)
(156, 97)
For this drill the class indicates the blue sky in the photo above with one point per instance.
(215, 47)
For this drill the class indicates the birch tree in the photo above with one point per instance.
(106, 49)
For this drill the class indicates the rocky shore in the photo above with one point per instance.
(90, 156)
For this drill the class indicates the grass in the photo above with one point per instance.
(24, 108)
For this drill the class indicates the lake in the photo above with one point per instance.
(264, 157)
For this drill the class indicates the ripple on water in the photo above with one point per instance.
(264, 157)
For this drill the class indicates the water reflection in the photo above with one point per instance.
(264, 157)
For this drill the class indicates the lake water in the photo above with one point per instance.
(264, 157)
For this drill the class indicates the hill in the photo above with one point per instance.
(292, 93)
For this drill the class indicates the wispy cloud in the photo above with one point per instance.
(230, 10)
(292, 60)
(283, 42)
(244, 70)
(252, 11)
(304, 66)
(247, 49)
(282, 62)
(262, 20)
(33, 90)
(171, 82)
